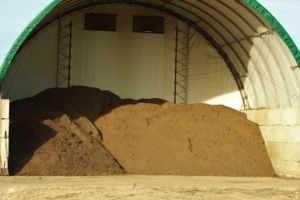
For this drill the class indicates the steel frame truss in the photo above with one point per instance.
(63, 76)
(181, 71)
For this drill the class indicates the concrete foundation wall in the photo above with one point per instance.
(4, 136)
(280, 128)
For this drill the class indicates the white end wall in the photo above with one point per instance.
(132, 65)
(280, 128)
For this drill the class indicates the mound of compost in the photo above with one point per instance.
(86, 131)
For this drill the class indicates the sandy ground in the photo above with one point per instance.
(147, 187)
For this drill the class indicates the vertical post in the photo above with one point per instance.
(64, 54)
(175, 69)
(181, 71)
(187, 60)
(58, 51)
(70, 53)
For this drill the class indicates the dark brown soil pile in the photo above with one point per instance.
(85, 131)
(52, 134)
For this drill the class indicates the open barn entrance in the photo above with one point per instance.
(124, 88)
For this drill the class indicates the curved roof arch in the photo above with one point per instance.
(243, 32)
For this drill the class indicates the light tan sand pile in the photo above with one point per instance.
(85, 131)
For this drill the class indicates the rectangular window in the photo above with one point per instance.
(100, 22)
(148, 24)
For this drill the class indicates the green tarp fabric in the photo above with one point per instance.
(252, 3)
(23, 36)
(276, 26)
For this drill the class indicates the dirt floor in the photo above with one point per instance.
(86, 131)
(148, 187)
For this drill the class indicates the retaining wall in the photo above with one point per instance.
(280, 128)
(4, 142)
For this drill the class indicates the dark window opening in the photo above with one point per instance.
(148, 24)
(100, 22)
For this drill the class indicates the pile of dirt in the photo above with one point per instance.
(86, 131)
(52, 134)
